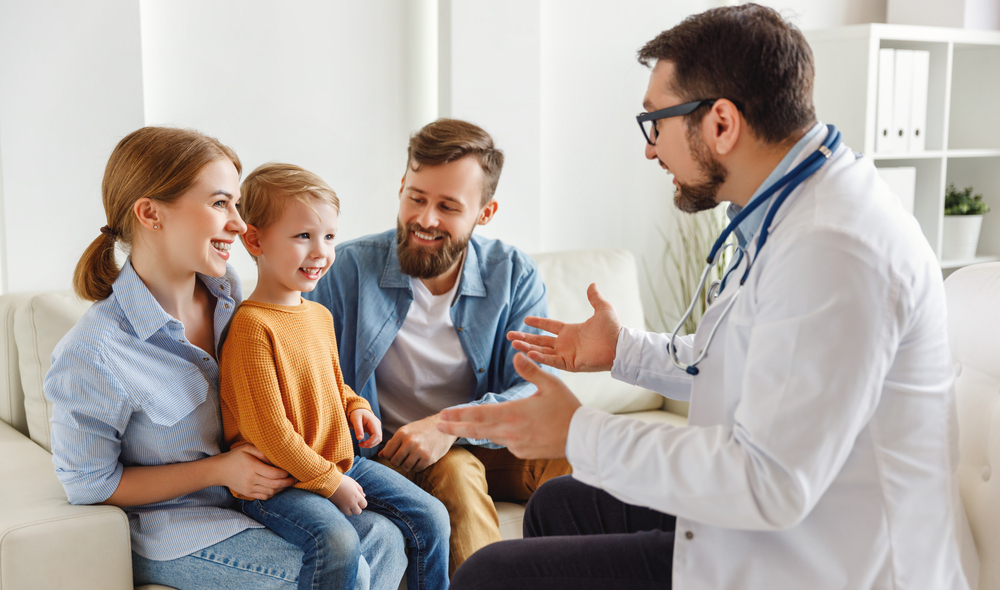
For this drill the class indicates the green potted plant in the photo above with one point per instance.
(963, 220)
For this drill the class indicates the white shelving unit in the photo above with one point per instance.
(963, 114)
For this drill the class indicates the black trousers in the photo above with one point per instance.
(577, 537)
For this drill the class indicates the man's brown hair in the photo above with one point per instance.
(748, 54)
(448, 140)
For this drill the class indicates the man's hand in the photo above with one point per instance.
(246, 471)
(535, 427)
(349, 498)
(417, 445)
(585, 347)
(364, 421)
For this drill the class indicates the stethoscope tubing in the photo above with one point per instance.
(789, 182)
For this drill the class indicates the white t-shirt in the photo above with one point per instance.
(425, 369)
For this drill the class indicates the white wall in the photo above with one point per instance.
(70, 88)
(494, 80)
(315, 83)
(338, 87)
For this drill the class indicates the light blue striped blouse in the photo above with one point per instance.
(129, 389)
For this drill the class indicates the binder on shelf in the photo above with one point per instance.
(902, 100)
(902, 182)
(918, 109)
(883, 111)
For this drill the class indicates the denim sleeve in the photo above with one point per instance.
(89, 415)
(527, 299)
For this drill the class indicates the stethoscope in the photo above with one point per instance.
(790, 182)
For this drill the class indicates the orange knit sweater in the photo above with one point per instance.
(282, 390)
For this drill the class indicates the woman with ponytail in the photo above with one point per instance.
(134, 385)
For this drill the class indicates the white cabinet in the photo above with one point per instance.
(963, 114)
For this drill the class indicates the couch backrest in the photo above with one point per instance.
(973, 294)
(11, 393)
(567, 276)
(39, 324)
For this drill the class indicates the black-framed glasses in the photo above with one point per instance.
(647, 121)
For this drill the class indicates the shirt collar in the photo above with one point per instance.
(746, 230)
(142, 310)
(471, 281)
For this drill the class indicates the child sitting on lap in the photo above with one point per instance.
(281, 390)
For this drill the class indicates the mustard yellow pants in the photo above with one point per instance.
(468, 479)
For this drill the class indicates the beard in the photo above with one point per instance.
(700, 196)
(426, 263)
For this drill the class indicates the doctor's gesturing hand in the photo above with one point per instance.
(585, 347)
(535, 427)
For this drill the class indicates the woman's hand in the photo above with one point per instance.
(246, 471)
(349, 498)
(364, 421)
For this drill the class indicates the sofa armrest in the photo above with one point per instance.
(45, 542)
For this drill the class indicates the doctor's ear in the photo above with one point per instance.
(488, 212)
(722, 126)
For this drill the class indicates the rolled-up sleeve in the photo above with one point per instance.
(89, 417)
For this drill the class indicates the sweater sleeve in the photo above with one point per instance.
(351, 400)
(252, 403)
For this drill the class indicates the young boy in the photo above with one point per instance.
(281, 389)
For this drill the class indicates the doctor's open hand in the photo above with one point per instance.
(586, 347)
(535, 427)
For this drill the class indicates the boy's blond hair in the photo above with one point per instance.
(266, 192)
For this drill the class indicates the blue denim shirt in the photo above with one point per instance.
(127, 388)
(369, 297)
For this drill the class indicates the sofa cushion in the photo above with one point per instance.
(39, 324)
(567, 276)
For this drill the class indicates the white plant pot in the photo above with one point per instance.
(960, 236)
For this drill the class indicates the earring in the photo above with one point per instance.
(156, 227)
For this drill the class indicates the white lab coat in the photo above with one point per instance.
(822, 440)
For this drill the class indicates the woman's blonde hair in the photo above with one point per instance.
(158, 163)
(267, 190)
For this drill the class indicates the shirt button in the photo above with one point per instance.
(689, 535)
(459, 328)
(181, 341)
(481, 370)
(204, 358)
(226, 305)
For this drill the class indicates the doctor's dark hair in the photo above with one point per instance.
(158, 163)
(448, 140)
(748, 54)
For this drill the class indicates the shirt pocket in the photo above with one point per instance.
(170, 403)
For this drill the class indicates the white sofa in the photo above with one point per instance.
(45, 543)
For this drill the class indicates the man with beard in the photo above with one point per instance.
(821, 444)
(421, 315)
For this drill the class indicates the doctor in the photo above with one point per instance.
(822, 443)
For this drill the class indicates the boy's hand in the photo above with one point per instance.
(349, 498)
(364, 421)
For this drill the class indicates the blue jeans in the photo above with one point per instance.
(258, 559)
(330, 542)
